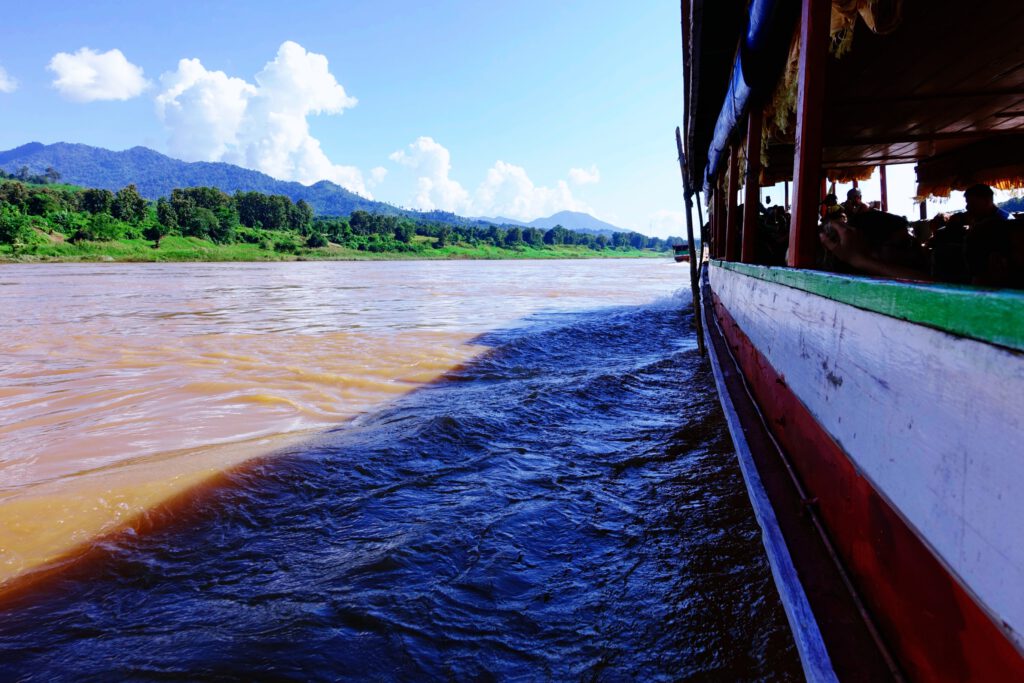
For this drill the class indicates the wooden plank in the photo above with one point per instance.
(939, 628)
(810, 644)
(987, 315)
(931, 421)
(752, 187)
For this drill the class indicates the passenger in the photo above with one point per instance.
(946, 249)
(773, 237)
(849, 245)
(980, 246)
(854, 204)
(993, 244)
(888, 237)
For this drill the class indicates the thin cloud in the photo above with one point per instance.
(506, 190)
(88, 76)
(583, 176)
(7, 83)
(665, 223)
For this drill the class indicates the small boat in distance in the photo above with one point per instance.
(879, 423)
(682, 252)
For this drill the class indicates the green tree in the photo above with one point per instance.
(301, 216)
(155, 231)
(556, 235)
(227, 224)
(15, 194)
(129, 206)
(316, 240)
(96, 201)
(184, 206)
(15, 228)
(404, 232)
(444, 233)
(41, 204)
(203, 223)
(101, 227)
(166, 216)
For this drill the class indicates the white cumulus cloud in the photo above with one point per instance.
(377, 175)
(434, 188)
(7, 83)
(87, 75)
(585, 176)
(203, 110)
(263, 125)
(506, 190)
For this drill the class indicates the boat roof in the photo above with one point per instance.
(944, 88)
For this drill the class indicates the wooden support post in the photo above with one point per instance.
(713, 221)
(785, 195)
(732, 230)
(752, 187)
(700, 218)
(815, 16)
(694, 273)
(716, 222)
(924, 209)
(884, 186)
(719, 209)
(821, 195)
(855, 184)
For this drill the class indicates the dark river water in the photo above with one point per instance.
(566, 506)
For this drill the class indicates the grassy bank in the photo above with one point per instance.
(195, 249)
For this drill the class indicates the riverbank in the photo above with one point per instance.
(186, 249)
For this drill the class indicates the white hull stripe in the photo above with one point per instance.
(932, 420)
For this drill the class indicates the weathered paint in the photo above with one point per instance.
(810, 645)
(995, 316)
(907, 437)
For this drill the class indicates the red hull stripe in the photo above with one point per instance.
(933, 627)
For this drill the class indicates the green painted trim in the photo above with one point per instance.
(993, 316)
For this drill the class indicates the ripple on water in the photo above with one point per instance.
(564, 506)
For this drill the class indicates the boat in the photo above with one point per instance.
(878, 423)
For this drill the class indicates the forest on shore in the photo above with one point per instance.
(44, 220)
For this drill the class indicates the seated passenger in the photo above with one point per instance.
(979, 246)
(850, 246)
(946, 249)
(888, 237)
(993, 244)
(773, 237)
(854, 204)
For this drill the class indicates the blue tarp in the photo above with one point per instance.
(759, 61)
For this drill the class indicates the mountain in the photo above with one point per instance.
(156, 174)
(571, 220)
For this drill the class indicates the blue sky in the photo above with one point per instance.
(518, 108)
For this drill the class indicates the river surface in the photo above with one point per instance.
(386, 471)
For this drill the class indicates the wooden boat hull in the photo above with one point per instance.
(907, 441)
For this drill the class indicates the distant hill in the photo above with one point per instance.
(156, 174)
(572, 220)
